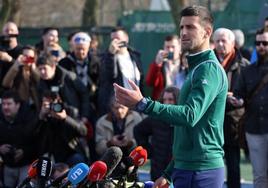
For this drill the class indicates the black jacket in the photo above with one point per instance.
(21, 134)
(232, 114)
(71, 90)
(60, 138)
(110, 73)
(257, 111)
(157, 137)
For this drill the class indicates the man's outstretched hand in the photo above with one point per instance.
(128, 97)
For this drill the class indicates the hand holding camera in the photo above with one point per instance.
(116, 45)
(163, 56)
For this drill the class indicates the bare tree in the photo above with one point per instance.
(175, 8)
(89, 13)
(10, 11)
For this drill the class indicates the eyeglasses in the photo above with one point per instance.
(258, 43)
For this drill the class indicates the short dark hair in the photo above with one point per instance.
(202, 12)
(119, 28)
(11, 94)
(28, 47)
(266, 19)
(170, 89)
(45, 60)
(261, 31)
(171, 37)
(47, 29)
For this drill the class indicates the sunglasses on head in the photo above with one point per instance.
(258, 43)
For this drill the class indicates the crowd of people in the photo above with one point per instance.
(71, 105)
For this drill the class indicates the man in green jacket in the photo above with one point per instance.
(198, 117)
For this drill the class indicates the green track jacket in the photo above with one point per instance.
(198, 117)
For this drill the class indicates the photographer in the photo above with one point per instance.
(167, 69)
(24, 77)
(59, 134)
(9, 47)
(18, 125)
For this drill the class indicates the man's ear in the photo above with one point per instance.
(208, 31)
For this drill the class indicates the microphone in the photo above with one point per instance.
(148, 184)
(76, 175)
(97, 172)
(31, 173)
(111, 158)
(136, 158)
(139, 156)
(43, 169)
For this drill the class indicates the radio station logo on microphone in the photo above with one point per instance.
(44, 167)
(76, 174)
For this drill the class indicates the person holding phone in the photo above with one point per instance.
(167, 69)
(119, 63)
(24, 77)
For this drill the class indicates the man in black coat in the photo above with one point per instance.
(18, 125)
(119, 63)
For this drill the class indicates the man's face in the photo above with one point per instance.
(10, 28)
(119, 110)
(173, 46)
(120, 36)
(47, 72)
(261, 47)
(81, 51)
(168, 98)
(192, 33)
(9, 107)
(223, 45)
(51, 37)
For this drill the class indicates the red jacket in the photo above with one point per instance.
(155, 79)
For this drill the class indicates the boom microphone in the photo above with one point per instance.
(32, 173)
(76, 175)
(111, 158)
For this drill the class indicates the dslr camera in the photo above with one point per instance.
(56, 107)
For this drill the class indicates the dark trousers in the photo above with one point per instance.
(198, 179)
(232, 160)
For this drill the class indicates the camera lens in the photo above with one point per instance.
(56, 107)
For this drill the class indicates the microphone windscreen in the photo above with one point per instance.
(111, 158)
(139, 156)
(97, 171)
(44, 167)
(78, 173)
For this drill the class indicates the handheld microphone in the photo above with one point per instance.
(97, 172)
(111, 158)
(76, 175)
(148, 184)
(32, 173)
(139, 156)
(43, 169)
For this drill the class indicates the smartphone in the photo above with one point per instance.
(55, 53)
(122, 44)
(170, 55)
